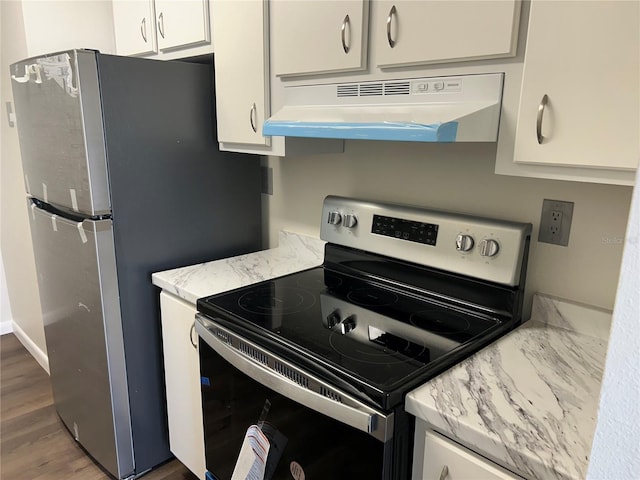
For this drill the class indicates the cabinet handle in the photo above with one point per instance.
(161, 24)
(191, 332)
(392, 13)
(345, 23)
(543, 104)
(253, 118)
(143, 29)
(444, 473)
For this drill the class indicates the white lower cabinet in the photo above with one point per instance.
(182, 377)
(437, 457)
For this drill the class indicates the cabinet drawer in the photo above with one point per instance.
(446, 460)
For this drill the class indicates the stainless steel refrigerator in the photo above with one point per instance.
(123, 178)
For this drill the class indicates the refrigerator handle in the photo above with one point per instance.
(28, 70)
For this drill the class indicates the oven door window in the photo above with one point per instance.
(315, 446)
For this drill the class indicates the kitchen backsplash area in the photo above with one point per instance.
(460, 178)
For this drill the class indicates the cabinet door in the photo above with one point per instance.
(241, 66)
(134, 26)
(408, 32)
(445, 459)
(182, 23)
(182, 377)
(312, 37)
(584, 56)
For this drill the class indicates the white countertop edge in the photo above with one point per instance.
(528, 401)
(295, 252)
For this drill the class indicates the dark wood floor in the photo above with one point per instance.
(34, 445)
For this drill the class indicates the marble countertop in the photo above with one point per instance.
(529, 401)
(295, 252)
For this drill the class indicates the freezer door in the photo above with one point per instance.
(75, 263)
(60, 128)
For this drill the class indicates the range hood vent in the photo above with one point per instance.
(436, 109)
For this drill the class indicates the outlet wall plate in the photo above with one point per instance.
(555, 222)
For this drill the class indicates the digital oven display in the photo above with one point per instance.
(408, 230)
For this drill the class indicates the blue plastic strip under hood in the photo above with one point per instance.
(395, 131)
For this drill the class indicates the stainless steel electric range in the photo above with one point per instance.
(403, 294)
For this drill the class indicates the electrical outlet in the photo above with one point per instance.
(555, 222)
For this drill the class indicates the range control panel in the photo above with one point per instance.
(479, 247)
(408, 230)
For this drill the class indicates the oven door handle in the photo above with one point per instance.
(357, 414)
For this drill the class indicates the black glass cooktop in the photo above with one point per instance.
(379, 336)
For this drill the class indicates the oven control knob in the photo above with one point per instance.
(464, 243)
(489, 248)
(349, 220)
(348, 324)
(332, 320)
(334, 218)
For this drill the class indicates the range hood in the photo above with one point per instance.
(436, 109)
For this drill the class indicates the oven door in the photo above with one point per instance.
(316, 431)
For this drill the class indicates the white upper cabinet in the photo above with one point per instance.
(409, 32)
(320, 37)
(135, 28)
(312, 37)
(182, 23)
(242, 76)
(583, 59)
(148, 27)
(241, 70)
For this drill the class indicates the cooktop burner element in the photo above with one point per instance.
(271, 299)
(387, 310)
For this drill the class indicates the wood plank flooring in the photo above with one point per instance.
(34, 445)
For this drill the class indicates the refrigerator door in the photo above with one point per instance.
(60, 129)
(78, 290)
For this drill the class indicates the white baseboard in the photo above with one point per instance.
(6, 327)
(33, 349)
